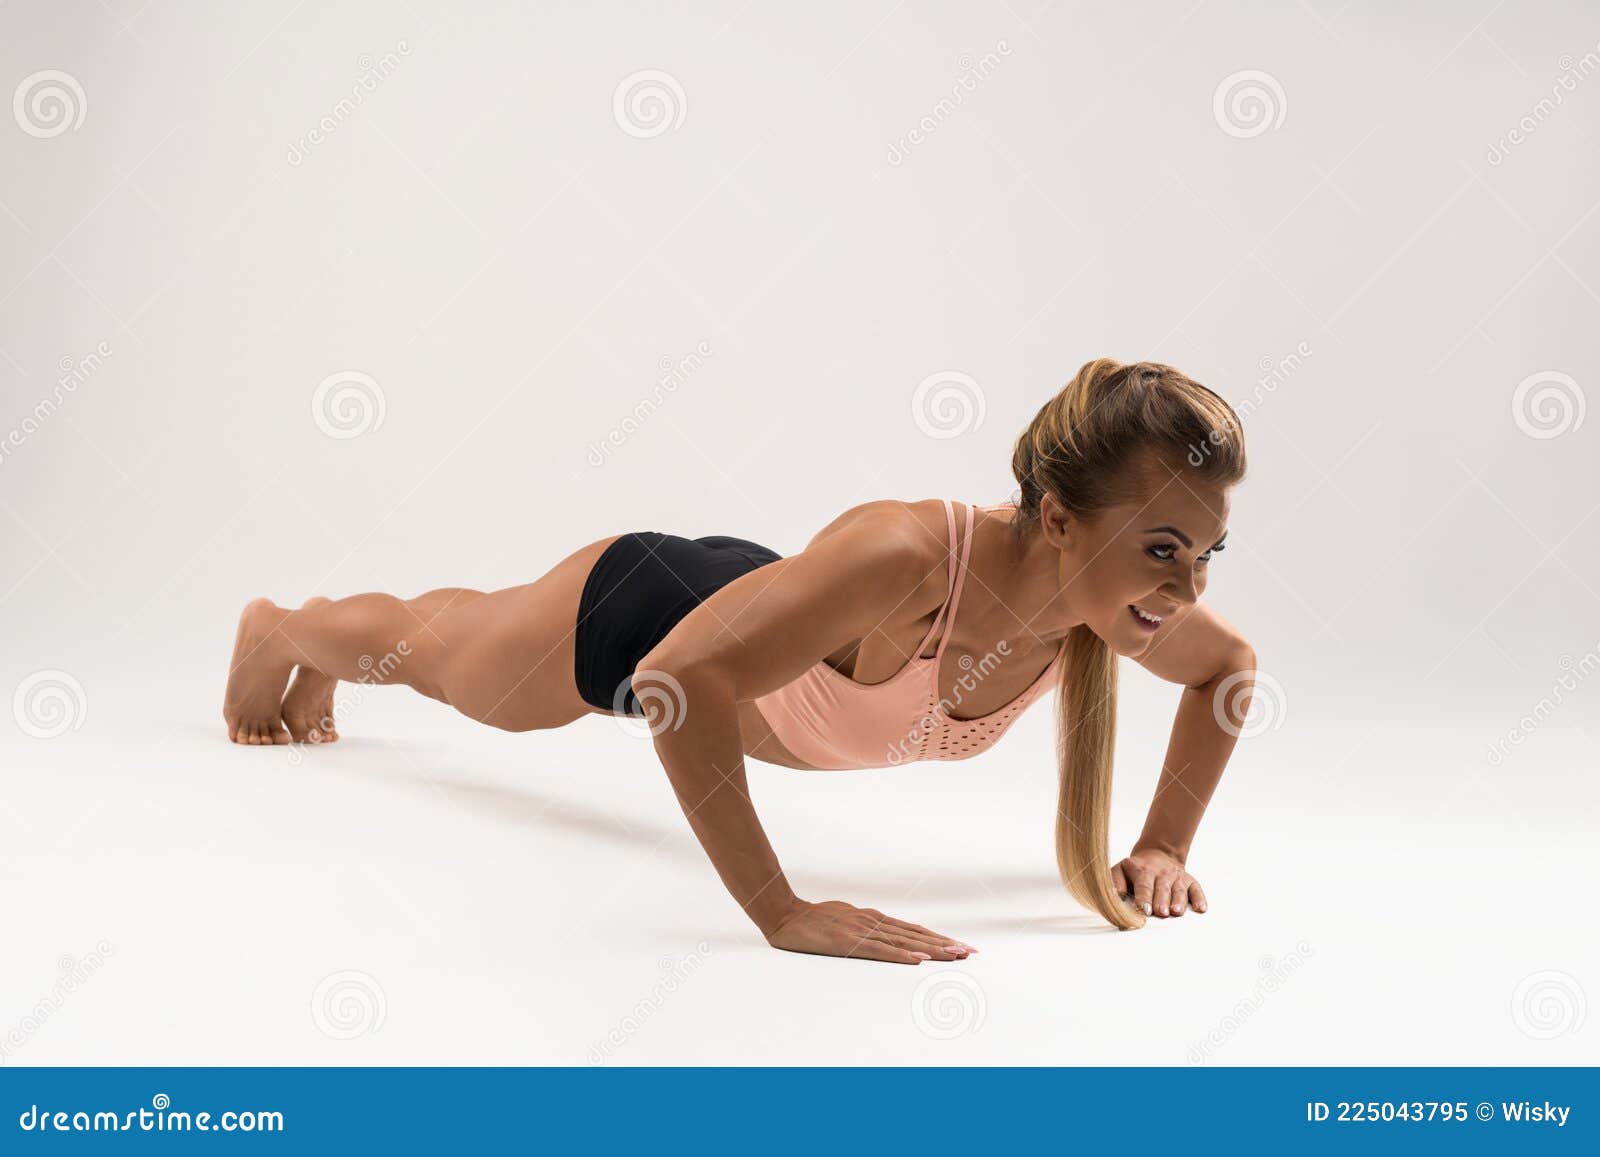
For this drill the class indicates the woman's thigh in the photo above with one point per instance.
(507, 657)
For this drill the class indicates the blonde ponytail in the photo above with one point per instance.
(1077, 449)
(1086, 743)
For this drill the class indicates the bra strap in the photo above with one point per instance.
(961, 578)
(950, 581)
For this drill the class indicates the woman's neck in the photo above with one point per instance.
(1016, 585)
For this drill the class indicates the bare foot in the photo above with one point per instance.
(308, 707)
(256, 677)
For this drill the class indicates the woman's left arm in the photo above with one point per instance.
(1216, 666)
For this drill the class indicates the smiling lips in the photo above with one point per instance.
(1146, 620)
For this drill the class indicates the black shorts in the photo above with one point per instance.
(640, 587)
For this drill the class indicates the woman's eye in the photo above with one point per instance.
(1164, 553)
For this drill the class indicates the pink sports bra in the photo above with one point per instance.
(830, 721)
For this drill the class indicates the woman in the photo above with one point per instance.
(814, 661)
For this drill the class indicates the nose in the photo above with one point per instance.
(1185, 591)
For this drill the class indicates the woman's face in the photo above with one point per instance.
(1133, 570)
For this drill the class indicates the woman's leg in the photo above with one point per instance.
(504, 658)
(308, 707)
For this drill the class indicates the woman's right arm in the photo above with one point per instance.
(754, 635)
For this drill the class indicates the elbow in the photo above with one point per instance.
(1229, 667)
(1242, 658)
(669, 682)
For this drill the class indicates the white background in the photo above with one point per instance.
(484, 237)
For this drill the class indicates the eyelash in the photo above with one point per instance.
(1206, 557)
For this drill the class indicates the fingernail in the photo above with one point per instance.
(922, 956)
(1147, 909)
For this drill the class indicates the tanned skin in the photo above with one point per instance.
(860, 596)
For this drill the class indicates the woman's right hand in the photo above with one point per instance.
(834, 928)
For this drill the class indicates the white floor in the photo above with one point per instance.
(429, 891)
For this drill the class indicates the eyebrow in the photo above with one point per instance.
(1184, 538)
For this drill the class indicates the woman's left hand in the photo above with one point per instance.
(1159, 883)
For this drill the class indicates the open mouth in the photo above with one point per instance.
(1146, 620)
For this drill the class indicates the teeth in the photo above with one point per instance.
(1147, 617)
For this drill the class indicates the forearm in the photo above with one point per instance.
(1197, 754)
(704, 761)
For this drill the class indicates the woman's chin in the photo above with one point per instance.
(1129, 643)
(1126, 647)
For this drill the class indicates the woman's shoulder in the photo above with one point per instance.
(903, 538)
(917, 529)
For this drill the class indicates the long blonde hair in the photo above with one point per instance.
(1080, 448)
